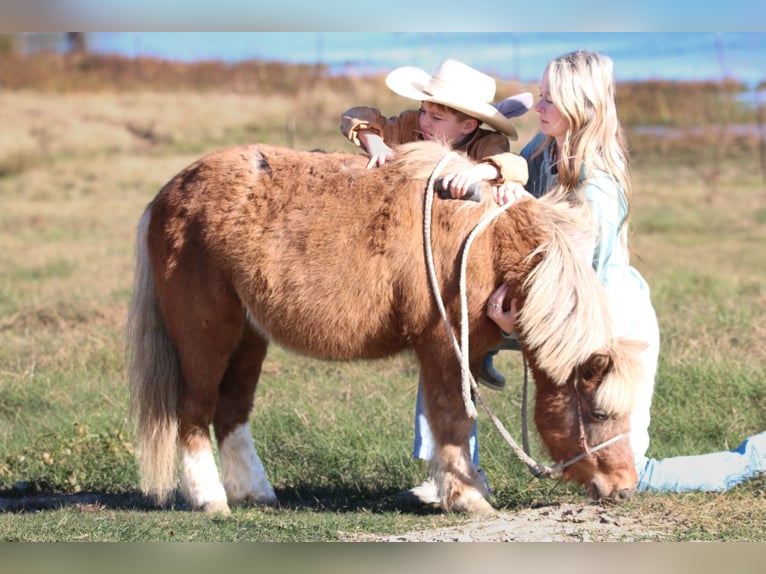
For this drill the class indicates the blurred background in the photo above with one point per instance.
(709, 85)
(507, 55)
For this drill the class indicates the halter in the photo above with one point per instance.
(586, 450)
(468, 383)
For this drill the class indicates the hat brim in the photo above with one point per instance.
(410, 82)
(516, 105)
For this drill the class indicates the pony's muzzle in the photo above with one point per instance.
(616, 495)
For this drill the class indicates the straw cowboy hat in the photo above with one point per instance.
(461, 87)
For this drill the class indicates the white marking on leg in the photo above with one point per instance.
(459, 486)
(244, 477)
(200, 482)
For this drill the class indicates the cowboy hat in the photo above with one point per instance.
(455, 85)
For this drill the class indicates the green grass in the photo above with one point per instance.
(335, 437)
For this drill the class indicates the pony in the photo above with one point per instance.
(308, 249)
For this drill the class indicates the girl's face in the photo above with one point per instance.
(552, 121)
(442, 125)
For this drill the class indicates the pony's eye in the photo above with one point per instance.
(600, 416)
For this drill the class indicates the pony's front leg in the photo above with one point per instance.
(459, 485)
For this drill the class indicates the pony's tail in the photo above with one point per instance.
(153, 373)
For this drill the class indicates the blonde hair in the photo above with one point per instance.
(581, 86)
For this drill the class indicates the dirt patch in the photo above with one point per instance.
(557, 523)
(560, 522)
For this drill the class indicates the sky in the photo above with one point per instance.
(393, 15)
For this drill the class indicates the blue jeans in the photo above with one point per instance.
(712, 472)
(424, 441)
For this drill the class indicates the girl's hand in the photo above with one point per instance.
(506, 320)
(458, 183)
(510, 192)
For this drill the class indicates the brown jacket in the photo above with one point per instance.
(482, 145)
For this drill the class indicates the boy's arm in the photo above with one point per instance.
(368, 129)
(358, 119)
(497, 165)
(363, 127)
(498, 170)
(400, 129)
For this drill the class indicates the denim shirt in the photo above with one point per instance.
(609, 208)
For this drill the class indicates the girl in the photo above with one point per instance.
(580, 156)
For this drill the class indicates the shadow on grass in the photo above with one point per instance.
(342, 498)
(16, 502)
(337, 499)
(333, 499)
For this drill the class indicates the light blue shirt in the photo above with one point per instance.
(609, 208)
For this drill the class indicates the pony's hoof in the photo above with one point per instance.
(473, 507)
(217, 507)
(482, 507)
(254, 498)
(423, 498)
(471, 503)
(269, 501)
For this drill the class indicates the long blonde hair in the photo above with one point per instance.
(581, 86)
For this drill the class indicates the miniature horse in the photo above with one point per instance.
(311, 250)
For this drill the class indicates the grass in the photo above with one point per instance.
(75, 173)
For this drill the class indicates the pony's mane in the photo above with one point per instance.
(564, 326)
(617, 392)
(418, 159)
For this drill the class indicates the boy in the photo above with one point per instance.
(454, 102)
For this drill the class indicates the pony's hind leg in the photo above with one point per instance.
(198, 398)
(244, 477)
(206, 327)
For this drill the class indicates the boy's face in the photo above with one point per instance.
(438, 123)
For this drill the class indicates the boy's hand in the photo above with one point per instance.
(376, 148)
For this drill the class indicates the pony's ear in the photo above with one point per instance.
(616, 385)
(593, 371)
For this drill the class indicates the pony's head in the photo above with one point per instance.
(585, 422)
